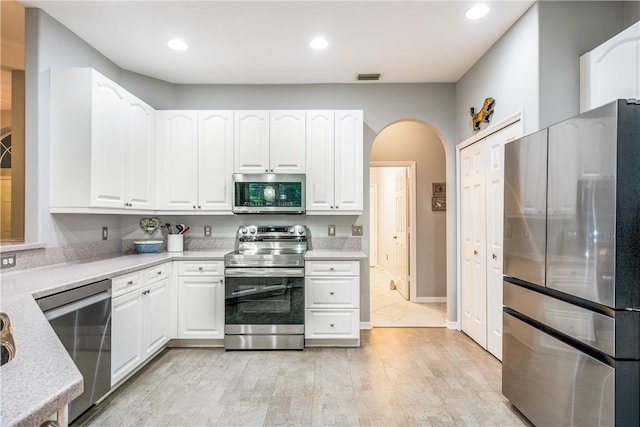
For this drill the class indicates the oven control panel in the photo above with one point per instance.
(272, 232)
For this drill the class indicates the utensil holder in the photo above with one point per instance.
(175, 242)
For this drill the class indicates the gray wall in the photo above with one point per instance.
(508, 72)
(567, 31)
(413, 141)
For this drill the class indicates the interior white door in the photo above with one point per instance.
(473, 231)
(495, 231)
(400, 236)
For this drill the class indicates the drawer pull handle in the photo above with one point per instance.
(159, 273)
(200, 268)
(331, 268)
(331, 292)
(130, 282)
(331, 324)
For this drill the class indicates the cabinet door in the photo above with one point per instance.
(126, 335)
(287, 141)
(108, 141)
(348, 161)
(155, 302)
(215, 160)
(201, 307)
(179, 160)
(320, 163)
(473, 232)
(141, 154)
(251, 141)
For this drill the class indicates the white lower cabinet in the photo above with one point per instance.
(139, 321)
(332, 303)
(200, 299)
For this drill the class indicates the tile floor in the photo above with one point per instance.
(398, 377)
(390, 309)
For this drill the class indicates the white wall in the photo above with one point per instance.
(385, 179)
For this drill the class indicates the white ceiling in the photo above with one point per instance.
(249, 42)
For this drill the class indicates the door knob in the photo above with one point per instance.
(475, 252)
(494, 256)
(395, 237)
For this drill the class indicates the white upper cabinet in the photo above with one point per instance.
(101, 144)
(334, 162)
(611, 70)
(269, 141)
(251, 142)
(215, 160)
(179, 171)
(320, 161)
(141, 157)
(196, 160)
(287, 141)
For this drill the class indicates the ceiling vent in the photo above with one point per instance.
(369, 77)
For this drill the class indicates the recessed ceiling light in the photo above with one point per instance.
(477, 11)
(177, 44)
(319, 43)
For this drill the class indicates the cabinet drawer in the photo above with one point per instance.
(201, 268)
(332, 292)
(332, 324)
(157, 273)
(126, 283)
(324, 268)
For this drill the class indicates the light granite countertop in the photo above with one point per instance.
(42, 378)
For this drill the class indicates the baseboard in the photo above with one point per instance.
(452, 325)
(430, 299)
(366, 325)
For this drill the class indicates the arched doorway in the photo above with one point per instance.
(408, 226)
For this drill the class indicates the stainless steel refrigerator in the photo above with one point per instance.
(571, 331)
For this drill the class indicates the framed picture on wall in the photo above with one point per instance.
(439, 188)
(439, 203)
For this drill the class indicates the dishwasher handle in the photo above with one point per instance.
(77, 305)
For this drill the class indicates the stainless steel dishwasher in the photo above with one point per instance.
(81, 318)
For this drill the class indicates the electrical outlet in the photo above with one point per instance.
(332, 230)
(105, 233)
(207, 231)
(8, 261)
(356, 230)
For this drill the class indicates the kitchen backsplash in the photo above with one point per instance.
(108, 248)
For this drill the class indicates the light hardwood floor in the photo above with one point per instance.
(398, 377)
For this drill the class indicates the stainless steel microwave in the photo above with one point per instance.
(268, 193)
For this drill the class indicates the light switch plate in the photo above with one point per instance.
(332, 230)
(207, 231)
(105, 233)
(356, 230)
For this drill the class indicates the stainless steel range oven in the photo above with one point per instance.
(264, 289)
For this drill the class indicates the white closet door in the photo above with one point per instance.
(494, 144)
(473, 232)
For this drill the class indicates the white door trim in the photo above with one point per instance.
(411, 165)
(373, 237)
(514, 118)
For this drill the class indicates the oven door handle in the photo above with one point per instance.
(264, 272)
(244, 291)
(274, 287)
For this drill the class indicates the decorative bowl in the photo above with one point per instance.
(147, 246)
